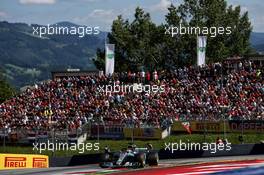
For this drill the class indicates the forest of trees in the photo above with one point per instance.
(142, 44)
(6, 91)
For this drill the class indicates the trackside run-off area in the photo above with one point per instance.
(202, 168)
(242, 165)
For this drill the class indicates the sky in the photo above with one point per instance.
(102, 12)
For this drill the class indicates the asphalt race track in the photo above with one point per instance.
(193, 166)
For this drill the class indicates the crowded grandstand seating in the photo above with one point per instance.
(209, 93)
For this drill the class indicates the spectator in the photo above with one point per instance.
(189, 94)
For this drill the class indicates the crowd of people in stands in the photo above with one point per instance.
(213, 92)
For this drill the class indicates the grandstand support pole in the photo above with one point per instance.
(67, 133)
(4, 138)
(224, 126)
(67, 136)
(132, 137)
(204, 133)
(53, 140)
(98, 134)
(222, 107)
(36, 134)
(242, 130)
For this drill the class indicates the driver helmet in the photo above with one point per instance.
(106, 149)
(129, 147)
(149, 146)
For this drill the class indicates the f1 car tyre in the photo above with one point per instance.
(106, 157)
(141, 159)
(153, 159)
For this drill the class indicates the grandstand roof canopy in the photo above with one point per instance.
(72, 73)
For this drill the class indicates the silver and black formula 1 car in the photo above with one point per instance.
(131, 157)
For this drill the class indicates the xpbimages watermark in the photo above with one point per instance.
(135, 88)
(189, 146)
(81, 31)
(64, 146)
(196, 30)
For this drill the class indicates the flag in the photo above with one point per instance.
(109, 59)
(201, 48)
(187, 126)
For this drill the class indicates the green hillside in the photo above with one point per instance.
(27, 58)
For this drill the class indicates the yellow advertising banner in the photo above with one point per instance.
(235, 126)
(247, 126)
(178, 127)
(201, 126)
(19, 161)
(216, 127)
(142, 133)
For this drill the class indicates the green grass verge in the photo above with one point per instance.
(118, 144)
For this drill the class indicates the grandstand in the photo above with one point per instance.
(71, 100)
